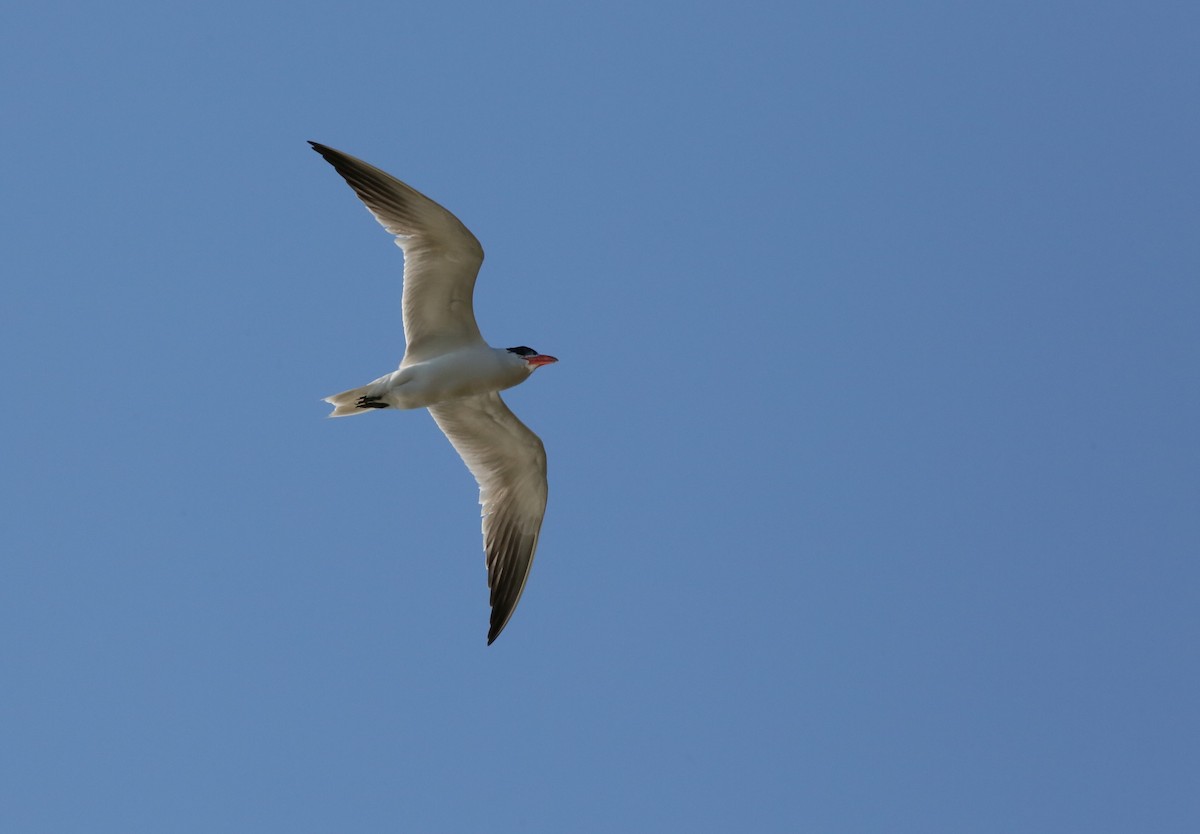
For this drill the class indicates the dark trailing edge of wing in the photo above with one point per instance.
(378, 189)
(508, 569)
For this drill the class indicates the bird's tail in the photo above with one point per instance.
(355, 401)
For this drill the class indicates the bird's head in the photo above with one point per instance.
(533, 359)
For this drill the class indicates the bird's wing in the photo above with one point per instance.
(509, 462)
(441, 257)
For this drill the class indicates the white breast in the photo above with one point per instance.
(461, 373)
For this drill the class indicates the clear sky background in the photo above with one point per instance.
(875, 479)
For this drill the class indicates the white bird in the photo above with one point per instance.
(449, 369)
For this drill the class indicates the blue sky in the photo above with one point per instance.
(874, 471)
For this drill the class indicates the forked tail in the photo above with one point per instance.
(355, 401)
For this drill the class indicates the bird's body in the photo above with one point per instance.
(475, 369)
(449, 369)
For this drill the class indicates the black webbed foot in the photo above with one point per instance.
(370, 402)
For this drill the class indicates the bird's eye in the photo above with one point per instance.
(523, 351)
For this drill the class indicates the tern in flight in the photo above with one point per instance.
(449, 369)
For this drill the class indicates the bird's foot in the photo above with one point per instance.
(370, 402)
